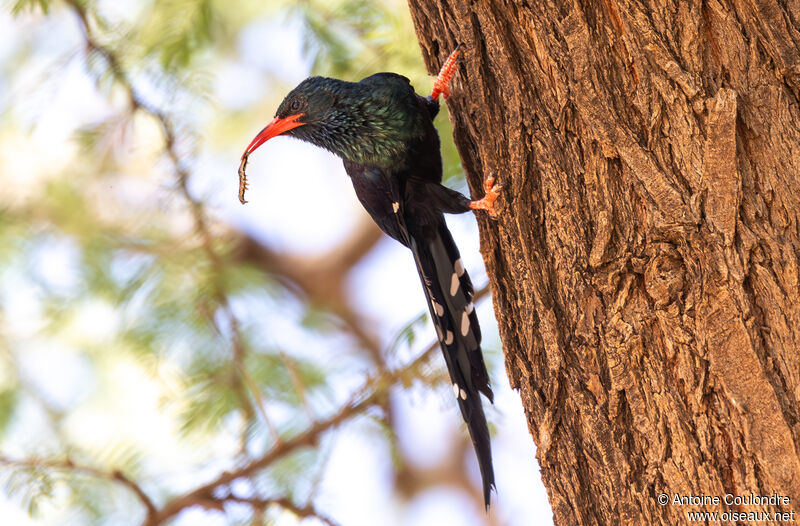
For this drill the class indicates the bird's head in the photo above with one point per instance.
(368, 123)
(309, 106)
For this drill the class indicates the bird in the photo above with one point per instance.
(384, 133)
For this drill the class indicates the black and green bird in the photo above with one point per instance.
(384, 133)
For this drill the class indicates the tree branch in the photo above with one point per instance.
(304, 512)
(376, 389)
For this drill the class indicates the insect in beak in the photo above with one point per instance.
(278, 126)
(242, 179)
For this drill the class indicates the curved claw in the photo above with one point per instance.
(492, 191)
(440, 85)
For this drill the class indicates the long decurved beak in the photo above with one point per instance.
(277, 127)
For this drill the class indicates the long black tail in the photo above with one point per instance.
(449, 291)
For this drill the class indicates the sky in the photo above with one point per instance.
(316, 212)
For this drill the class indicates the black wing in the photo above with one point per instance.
(381, 195)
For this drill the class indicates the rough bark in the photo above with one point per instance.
(645, 266)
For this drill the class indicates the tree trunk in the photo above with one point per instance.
(645, 265)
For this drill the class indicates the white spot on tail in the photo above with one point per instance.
(395, 206)
(448, 339)
(469, 308)
(464, 324)
(463, 394)
(459, 267)
(454, 283)
(455, 390)
(438, 309)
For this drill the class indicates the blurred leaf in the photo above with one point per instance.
(407, 334)
(177, 30)
(317, 319)
(292, 472)
(271, 373)
(17, 6)
(30, 485)
(209, 399)
(8, 403)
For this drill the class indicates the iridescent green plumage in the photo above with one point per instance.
(374, 122)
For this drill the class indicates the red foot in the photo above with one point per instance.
(492, 193)
(440, 85)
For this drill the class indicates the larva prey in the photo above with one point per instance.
(242, 179)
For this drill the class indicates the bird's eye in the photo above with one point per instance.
(296, 105)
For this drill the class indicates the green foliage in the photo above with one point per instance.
(31, 485)
(272, 371)
(349, 38)
(111, 230)
(18, 6)
(8, 403)
(407, 335)
(177, 31)
(211, 396)
(292, 474)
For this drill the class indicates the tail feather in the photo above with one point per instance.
(460, 292)
(449, 292)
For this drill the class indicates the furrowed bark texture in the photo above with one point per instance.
(645, 265)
